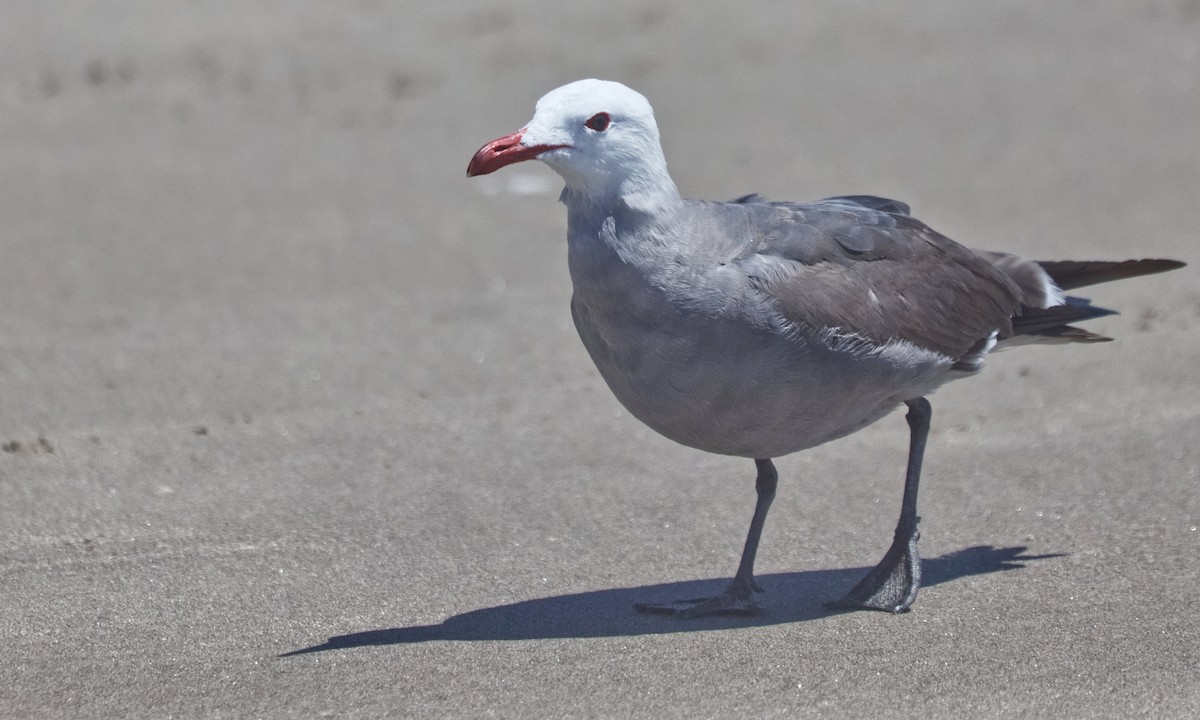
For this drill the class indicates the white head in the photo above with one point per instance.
(599, 136)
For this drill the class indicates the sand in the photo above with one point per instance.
(273, 371)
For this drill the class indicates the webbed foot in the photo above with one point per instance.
(892, 585)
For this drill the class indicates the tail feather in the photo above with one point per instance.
(1070, 333)
(1070, 274)
(1053, 324)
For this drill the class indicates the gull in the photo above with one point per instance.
(758, 329)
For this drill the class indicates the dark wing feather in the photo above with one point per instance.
(1049, 321)
(880, 275)
(1071, 274)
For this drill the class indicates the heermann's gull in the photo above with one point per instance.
(758, 329)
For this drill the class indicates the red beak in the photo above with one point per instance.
(504, 151)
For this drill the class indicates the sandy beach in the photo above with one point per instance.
(294, 421)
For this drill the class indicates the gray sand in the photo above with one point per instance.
(273, 371)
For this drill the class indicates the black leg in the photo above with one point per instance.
(738, 598)
(892, 584)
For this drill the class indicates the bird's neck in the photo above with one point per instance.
(648, 186)
(627, 201)
(641, 186)
(619, 234)
(634, 209)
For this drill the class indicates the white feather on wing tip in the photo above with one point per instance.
(1054, 294)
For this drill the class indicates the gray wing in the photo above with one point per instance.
(862, 266)
(886, 205)
(873, 202)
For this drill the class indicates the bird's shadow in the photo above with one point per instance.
(797, 597)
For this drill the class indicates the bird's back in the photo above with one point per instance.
(678, 315)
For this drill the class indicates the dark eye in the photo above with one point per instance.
(598, 122)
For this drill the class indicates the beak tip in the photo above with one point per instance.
(475, 168)
(498, 153)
